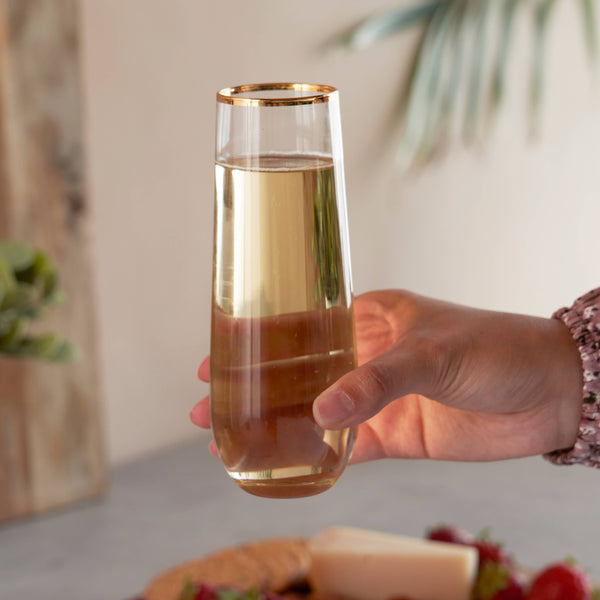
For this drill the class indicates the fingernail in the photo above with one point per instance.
(333, 410)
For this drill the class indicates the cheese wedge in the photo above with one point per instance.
(357, 564)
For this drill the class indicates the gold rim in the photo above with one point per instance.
(315, 94)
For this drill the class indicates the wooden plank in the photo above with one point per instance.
(51, 450)
(14, 470)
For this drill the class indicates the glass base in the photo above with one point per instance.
(267, 484)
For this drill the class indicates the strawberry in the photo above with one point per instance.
(496, 581)
(200, 591)
(450, 534)
(205, 592)
(513, 590)
(561, 581)
(490, 551)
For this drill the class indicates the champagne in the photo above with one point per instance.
(282, 323)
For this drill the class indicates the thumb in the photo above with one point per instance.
(363, 392)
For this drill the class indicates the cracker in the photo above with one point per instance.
(275, 565)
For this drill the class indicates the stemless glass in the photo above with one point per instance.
(282, 313)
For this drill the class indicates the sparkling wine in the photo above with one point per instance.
(282, 323)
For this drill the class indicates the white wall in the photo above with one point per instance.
(512, 226)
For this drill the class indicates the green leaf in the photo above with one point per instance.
(45, 273)
(7, 281)
(18, 255)
(7, 319)
(542, 19)
(588, 8)
(42, 274)
(492, 578)
(504, 46)
(12, 337)
(230, 594)
(66, 352)
(46, 346)
(479, 12)
(24, 301)
(444, 102)
(427, 111)
(420, 87)
(188, 592)
(457, 52)
(24, 297)
(235, 594)
(29, 282)
(380, 26)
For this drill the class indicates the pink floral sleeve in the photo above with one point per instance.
(583, 320)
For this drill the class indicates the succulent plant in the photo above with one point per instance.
(28, 285)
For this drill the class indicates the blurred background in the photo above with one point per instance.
(507, 222)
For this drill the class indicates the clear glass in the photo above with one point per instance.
(282, 312)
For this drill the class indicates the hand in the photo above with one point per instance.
(200, 414)
(494, 385)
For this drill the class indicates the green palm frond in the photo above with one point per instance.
(479, 13)
(443, 100)
(542, 18)
(380, 26)
(588, 11)
(504, 46)
(462, 63)
(424, 82)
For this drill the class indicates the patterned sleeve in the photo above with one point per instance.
(583, 320)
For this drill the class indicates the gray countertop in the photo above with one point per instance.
(180, 505)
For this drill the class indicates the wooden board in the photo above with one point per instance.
(50, 419)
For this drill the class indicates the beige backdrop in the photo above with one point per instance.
(513, 226)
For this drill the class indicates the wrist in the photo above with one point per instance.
(568, 374)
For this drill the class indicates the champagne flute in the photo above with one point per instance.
(282, 315)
